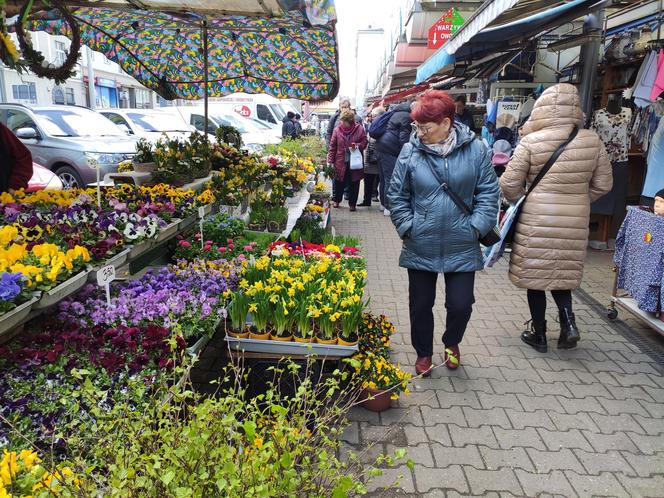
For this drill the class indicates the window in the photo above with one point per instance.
(264, 114)
(27, 92)
(69, 94)
(60, 54)
(118, 120)
(19, 119)
(58, 95)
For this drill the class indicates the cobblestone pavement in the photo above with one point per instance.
(511, 421)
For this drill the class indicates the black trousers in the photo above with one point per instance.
(537, 302)
(353, 188)
(459, 299)
(369, 187)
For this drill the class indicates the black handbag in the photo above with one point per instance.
(509, 237)
(489, 239)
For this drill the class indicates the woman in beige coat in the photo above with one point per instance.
(552, 231)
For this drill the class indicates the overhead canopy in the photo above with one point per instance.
(286, 56)
(477, 44)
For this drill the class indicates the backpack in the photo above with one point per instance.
(379, 125)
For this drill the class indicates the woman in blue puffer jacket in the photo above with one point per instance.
(438, 237)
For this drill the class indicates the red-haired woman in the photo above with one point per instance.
(442, 159)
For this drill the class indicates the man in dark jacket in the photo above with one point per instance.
(15, 162)
(288, 129)
(298, 125)
(462, 114)
(388, 146)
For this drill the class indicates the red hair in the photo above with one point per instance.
(433, 107)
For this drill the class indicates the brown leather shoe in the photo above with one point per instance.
(453, 358)
(423, 366)
(336, 204)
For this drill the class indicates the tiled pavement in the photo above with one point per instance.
(511, 421)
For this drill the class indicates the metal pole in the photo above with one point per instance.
(205, 77)
(589, 57)
(91, 80)
(659, 20)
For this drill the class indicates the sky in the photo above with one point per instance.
(351, 16)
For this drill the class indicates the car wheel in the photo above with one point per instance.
(69, 177)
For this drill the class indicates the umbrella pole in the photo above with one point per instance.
(205, 78)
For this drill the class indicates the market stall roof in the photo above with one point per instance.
(474, 39)
(287, 56)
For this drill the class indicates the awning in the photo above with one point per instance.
(503, 37)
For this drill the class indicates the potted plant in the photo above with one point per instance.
(257, 218)
(303, 319)
(277, 218)
(326, 324)
(382, 380)
(260, 315)
(237, 310)
(144, 161)
(353, 308)
(281, 321)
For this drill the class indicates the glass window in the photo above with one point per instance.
(157, 121)
(76, 123)
(27, 91)
(58, 95)
(69, 94)
(264, 113)
(19, 119)
(278, 111)
(60, 53)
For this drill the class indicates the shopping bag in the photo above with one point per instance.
(356, 161)
(493, 253)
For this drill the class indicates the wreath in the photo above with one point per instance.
(34, 59)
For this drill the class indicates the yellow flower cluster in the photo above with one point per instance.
(380, 374)
(21, 475)
(10, 47)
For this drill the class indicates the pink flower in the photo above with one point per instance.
(248, 248)
(184, 243)
(229, 241)
(222, 249)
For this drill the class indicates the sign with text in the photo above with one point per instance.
(444, 28)
(243, 111)
(508, 114)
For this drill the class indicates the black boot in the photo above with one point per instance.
(536, 336)
(569, 334)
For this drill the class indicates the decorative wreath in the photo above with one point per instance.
(34, 60)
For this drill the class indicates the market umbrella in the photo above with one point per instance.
(174, 54)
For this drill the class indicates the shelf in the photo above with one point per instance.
(630, 305)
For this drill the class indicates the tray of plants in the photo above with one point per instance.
(289, 348)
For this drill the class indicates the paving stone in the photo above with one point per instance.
(464, 385)
(519, 438)
(554, 388)
(642, 486)
(393, 434)
(603, 485)
(594, 389)
(482, 481)
(537, 484)
(416, 435)
(608, 424)
(494, 417)
(510, 387)
(454, 415)
(566, 421)
(602, 443)
(637, 367)
(651, 426)
(483, 372)
(636, 379)
(410, 415)
(351, 433)
(532, 403)
(546, 461)
(586, 404)
(445, 456)
(420, 454)
(655, 410)
(630, 393)
(359, 414)
(646, 444)
(400, 477)
(462, 436)
(596, 463)
(450, 478)
(468, 398)
(515, 458)
(570, 439)
(538, 418)
(655, 394)
(563, 376)
(422, 399)
(617, 406)
(454, 494)
(439, 434)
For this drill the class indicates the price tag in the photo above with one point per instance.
(334, 233)
(201, 215)
(252, 260)
(201, 212)
(104, 278)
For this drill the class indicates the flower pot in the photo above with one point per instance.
(261, 337)
(376, 401)
(274, 337)
(238, 335)
(305, 340)
(144, 167)
(13, 318)
(351, 342)
(326, 341)
(168, 231)
(58, 293)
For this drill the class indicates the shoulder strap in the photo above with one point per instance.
(453, 195)
(552, 160)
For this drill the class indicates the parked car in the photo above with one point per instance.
(43, 179)
(254, 136)
(151, 124)
(70, 140)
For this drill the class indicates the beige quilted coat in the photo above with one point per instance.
(552, 232)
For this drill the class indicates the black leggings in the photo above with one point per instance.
(537, 302)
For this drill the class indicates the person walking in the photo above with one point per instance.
(389, 145)
(344, 104)
(347, 138)
(371, 167)
(551, 233)
(288, 129)
(441, 160)
(15, 162)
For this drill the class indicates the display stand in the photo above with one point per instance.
(295, 207)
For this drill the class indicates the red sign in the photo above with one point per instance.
(444, 28)
(243, 110)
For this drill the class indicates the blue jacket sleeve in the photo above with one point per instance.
(485, 209)
(399, 195)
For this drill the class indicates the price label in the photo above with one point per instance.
(93, 163)
(334, 233)
(201, 212)
(252, 260)
(106, 275)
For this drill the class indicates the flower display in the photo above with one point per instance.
(22, 476)
(380, 374)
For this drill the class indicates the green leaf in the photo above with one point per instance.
(167, 477)
(250, 430)
(286, 460)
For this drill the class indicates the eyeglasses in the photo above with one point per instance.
(422, 130)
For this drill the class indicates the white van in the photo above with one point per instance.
(261, 107)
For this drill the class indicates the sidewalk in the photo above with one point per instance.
(511, 421)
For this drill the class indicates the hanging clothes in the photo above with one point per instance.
(613, 130)
(639, 258)
(658, 86)
(655, 165)
(645, 80)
